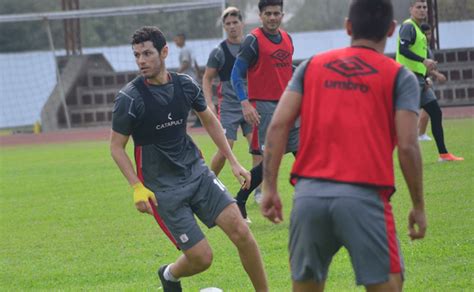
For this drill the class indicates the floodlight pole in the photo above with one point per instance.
(220, 20)
(58, 74)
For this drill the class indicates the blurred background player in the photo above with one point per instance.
(266, 60)
(153, 109)
(356, 105)
(434, 75)
(412, 52)
(220, 63)
(187, 65)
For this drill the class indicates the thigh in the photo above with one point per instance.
(427, 96)
(312, 243)
(210, 199)
(230, 121)
(175, 210)
(366, 227)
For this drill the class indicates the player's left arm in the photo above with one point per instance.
(214, 129)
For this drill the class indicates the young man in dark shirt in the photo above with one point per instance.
(170, 171)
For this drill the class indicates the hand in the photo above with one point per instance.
(242, 175)
(440, 77)
(430, 64)
(140, 196)
(428, 82)
(271, 207)
(416, 217)
(250, 113)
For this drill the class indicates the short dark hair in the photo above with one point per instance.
(370, 19)
(425, 27)
(264, 3)
(149, 33)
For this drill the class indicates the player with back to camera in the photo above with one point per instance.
(153, 109)
(356, 105)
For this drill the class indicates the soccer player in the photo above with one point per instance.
(412, 52)
(266, 59)
(220, 63)
(355, 105)
(170, 171)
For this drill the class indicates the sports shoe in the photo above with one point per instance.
(449, 157)
(258, 195)
(168, 286)
(424, 137)
(243, 211)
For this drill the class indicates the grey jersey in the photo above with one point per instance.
(216, 60)
(166, 165)
(407, 97)
(186, 55)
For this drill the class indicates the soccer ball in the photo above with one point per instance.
(211, 289)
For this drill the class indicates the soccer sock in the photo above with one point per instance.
(436, 116)
(257, 175)
(168, 276)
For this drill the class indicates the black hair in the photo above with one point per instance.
(370, 19)
(149, 33)
(264, 3)
(425, 27)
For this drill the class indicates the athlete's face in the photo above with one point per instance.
(419, 10)
(148, 60)
(271, 17)
(233, 27)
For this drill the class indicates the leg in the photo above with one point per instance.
(394, 284)
(424, 119)
(256, 159)
(218, 161)
(308, 286)
(230, 221)
(193, 261)
(242, 196)
(436, 116)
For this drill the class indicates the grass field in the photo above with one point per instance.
(68, 223)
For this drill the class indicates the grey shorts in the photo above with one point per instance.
(363, 224)
(266, 110)
(427, 94)
(231, 120)
(204, 197)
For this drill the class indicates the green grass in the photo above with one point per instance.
(68, 223)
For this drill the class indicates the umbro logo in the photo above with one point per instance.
(351, 66)
(280, 55)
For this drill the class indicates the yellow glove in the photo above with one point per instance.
(142, 194)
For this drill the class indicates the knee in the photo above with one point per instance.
(240, 233)
(203, 260)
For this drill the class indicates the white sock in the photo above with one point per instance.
(168, 276)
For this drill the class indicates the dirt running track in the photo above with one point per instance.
(102, 134)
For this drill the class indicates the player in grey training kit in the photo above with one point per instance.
(343, 173)
(170, 171)
(220, 63)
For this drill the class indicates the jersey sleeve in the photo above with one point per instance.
(193, 93)
(249, 50)
(297, 80)
(216, 58)
(123, 114)
(407, 91)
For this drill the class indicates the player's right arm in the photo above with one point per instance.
(121, 125)
(409, 155)
(211, 72)
(247, 56)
